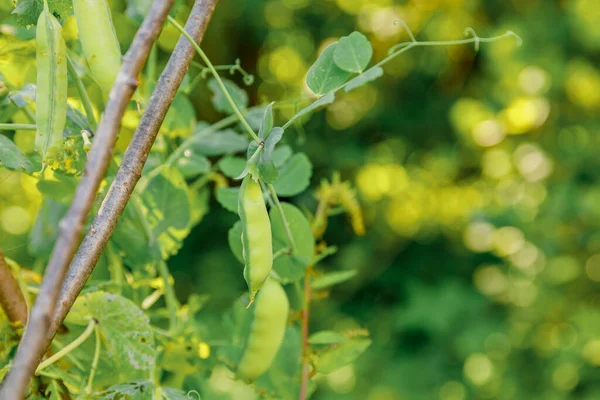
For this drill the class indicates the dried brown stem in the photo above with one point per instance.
(11, 297)
(34, 342)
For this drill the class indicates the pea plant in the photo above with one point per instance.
(105, 321)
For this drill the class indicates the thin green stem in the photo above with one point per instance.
(170, 298)
(83, 96)
(286, 224)
(68, 348)
(217, 78)
(281, 252)
(14, 127)
(94, 366)
(404, 47)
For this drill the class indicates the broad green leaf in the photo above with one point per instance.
(341, 355)
(54, 391)
(294, 176)
(231, 166)
(180, 119)
(167, 209)
(324, 75)
(228, 198)
(281, 155)
(267, 122)
(136, 390)
(131, 240)
(353, 52)
(44, 231)
(199, 204)
(323, 101)
(366, 77)
(192, 164)
(28, 11)
(291, 268)
(125, 330)
(326, 337)
(332, 278)
(61, 188)
(239, 96)
(218, 143)
(234, 237)
(11, 157)
(175, 394)
(266, 167)
(25, 95)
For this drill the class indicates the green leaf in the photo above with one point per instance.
(324, 75)
(44, 231)
(231, 166)
(11, 157)
(61, 188)
(267, 122)
(326, 337)
(199, 204)
(294, 176)
(281, 155)
(28, 11)
(228, 198)
(366, 77)
(341, 355)
(266, 167)
(234, 237)
(332, 278)
(167, 209)
(181, 117)
(174, 394)
(353, 53)
(323, 101)
(136, 390)
(291, 268)
(131, 240)
(239, 96)
(124, 328)
(193, 164)
(218, 143)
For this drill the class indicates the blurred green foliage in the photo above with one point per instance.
(478, 175)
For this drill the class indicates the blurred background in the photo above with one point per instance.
(477, 174)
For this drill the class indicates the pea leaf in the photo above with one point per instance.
(135, 390)
(131, 241)
(323, 101)
(294, 176)
(341, 355)
(167, 209)
(291, 268)
(181, 117)
(231, 166)
(192, 164)
(234, 237)
(28, 11)
(218, 143)
(228, 198)
(281, 154)
(45, 228)
(174, 394)
(266, 167)
(353, 53)
(61, 188)
(362, 79)
(324, 75)
(124, 329)
(332, 278)
(326, 337)
(13, 158)
(239, 96)
(267, 122)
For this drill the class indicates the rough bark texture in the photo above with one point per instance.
(34, 343)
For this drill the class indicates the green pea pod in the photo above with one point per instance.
(256, 235)
(51, 92)
(266, 332)
(99, 41)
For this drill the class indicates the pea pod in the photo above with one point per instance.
(51, 92)
(98, 41)
(256, 235)
(266, 332)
